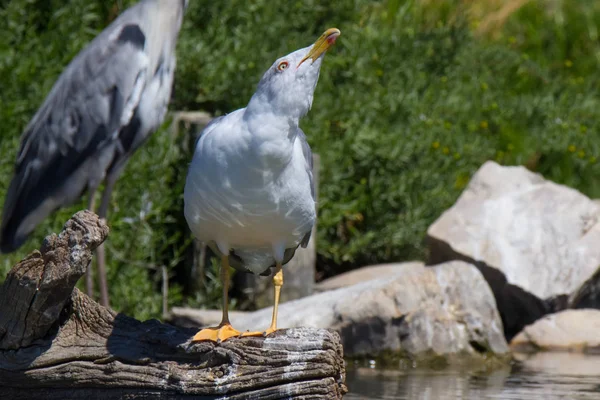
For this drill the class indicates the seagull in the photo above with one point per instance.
(249, 193)
(105, 104)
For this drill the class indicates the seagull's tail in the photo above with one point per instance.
(257, 261)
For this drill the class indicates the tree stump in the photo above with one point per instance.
(57, 343)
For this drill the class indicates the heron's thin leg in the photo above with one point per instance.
(101, 257)
(224, 331)
(89, 273)
(92, 199)
(109, 185)
(111, 179)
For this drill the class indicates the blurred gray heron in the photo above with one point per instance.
(111, 97)
(249, 191)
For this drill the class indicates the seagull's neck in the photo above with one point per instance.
(260, 107)
(273, 133)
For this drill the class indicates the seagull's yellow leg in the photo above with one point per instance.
(277, 284)
(224, 331)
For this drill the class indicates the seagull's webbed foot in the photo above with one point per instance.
(258, 333)
(216, 333)
(224, 331)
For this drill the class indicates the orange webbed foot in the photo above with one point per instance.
(216, 334)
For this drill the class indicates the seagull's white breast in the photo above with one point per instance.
(244, 199)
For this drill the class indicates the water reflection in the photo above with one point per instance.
(540, 376)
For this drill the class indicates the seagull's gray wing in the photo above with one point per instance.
(67, 146)
(209, 127)
(309, 170)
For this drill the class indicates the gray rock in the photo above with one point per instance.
(569, 330)
(441, 310)
(561, 365)
(364, 274)
(517, 307)
(543, 236)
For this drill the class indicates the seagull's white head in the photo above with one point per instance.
(287, 88)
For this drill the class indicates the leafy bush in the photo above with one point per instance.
(415, 96)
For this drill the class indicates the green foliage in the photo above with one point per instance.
(414, 97)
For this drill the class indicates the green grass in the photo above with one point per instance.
(414, 97)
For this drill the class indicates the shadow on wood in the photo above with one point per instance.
(57, 343)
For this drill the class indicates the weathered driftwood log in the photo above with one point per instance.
(57, 343)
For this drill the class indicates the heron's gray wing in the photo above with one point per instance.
(67, 144)
(309, 170)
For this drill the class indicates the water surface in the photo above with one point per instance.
(541, 376)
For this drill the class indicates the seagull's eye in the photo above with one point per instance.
(283, 66)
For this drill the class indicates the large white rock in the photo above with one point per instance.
(569, 330)
(441, 310)
(543, 236)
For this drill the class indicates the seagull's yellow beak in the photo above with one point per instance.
(322, 44)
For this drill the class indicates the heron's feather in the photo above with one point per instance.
(91, 119)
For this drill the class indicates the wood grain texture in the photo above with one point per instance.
(55, 342)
